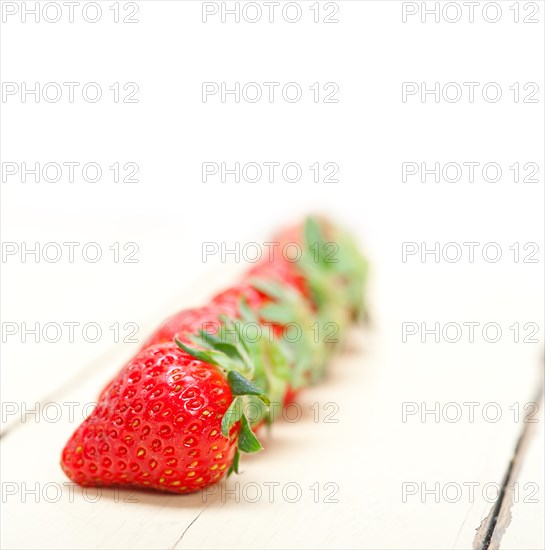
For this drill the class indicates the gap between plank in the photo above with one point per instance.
(494, 525)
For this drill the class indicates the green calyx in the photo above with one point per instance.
(256, 369)
(335, 273)
(290, 310)
(335, 270)
(259, 363)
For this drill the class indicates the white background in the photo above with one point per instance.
(170, 212)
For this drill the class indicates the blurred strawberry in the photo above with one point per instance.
(228, 301)
(183, 324)
(281, 271)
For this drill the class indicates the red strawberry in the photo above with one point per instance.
(182, 324)
(281, 271)
(290, 395)
(228, 301)
(291, 234)
(157, 425)
(191, 321)
(174, 418)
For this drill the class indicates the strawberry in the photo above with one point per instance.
(192, 321)
(260, 298)
(330, 272)
(288, 307)
(175, 418)
(228, 301)
(334, 270)
(282, 271)
(290, 395)
(183, 323)
(162, 424)
(180, 325)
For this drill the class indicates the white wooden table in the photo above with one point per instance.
(375, 478)
(349, 473)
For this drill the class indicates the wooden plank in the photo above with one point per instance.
(368, 455)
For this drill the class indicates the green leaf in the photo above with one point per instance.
(246, 312)
(213, 357)
(276, 313)
(243, 346)
(242, 386)
(226, 347)
(203, 356)
(232, 416)
(255, 410)
(234, 464)
(269, 288)
(247, 441)
(313, 233)
(208, 337)
(233, 327)
(280, 356)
